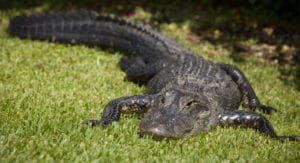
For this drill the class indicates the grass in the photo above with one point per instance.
(47, 89)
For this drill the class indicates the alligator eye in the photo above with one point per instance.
(190, 104)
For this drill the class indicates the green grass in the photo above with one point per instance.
(47, 89)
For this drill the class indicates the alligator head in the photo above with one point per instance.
(176, 114)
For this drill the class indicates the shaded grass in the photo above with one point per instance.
(47, 89)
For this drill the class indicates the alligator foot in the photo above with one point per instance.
(251, 120)
(113, 109)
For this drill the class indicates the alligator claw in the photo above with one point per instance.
(92, 122)
(289, 138)
(267, 109)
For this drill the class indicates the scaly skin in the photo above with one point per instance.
(186, 94)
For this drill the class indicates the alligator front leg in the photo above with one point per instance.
(251, 120)
(112, 111)
(251, 100)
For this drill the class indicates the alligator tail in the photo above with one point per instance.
(89, 28)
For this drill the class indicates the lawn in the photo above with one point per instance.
(48, 89)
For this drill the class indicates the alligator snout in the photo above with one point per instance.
(158, 132)
(164, 127)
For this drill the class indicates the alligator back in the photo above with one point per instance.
(164, 58)
(89, 28)
(198, 76)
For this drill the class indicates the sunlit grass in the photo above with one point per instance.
(47, 89)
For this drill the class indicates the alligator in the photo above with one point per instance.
(185, 94)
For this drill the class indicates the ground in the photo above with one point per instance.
(48, 89)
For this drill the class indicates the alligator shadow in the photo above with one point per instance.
(274, 37)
